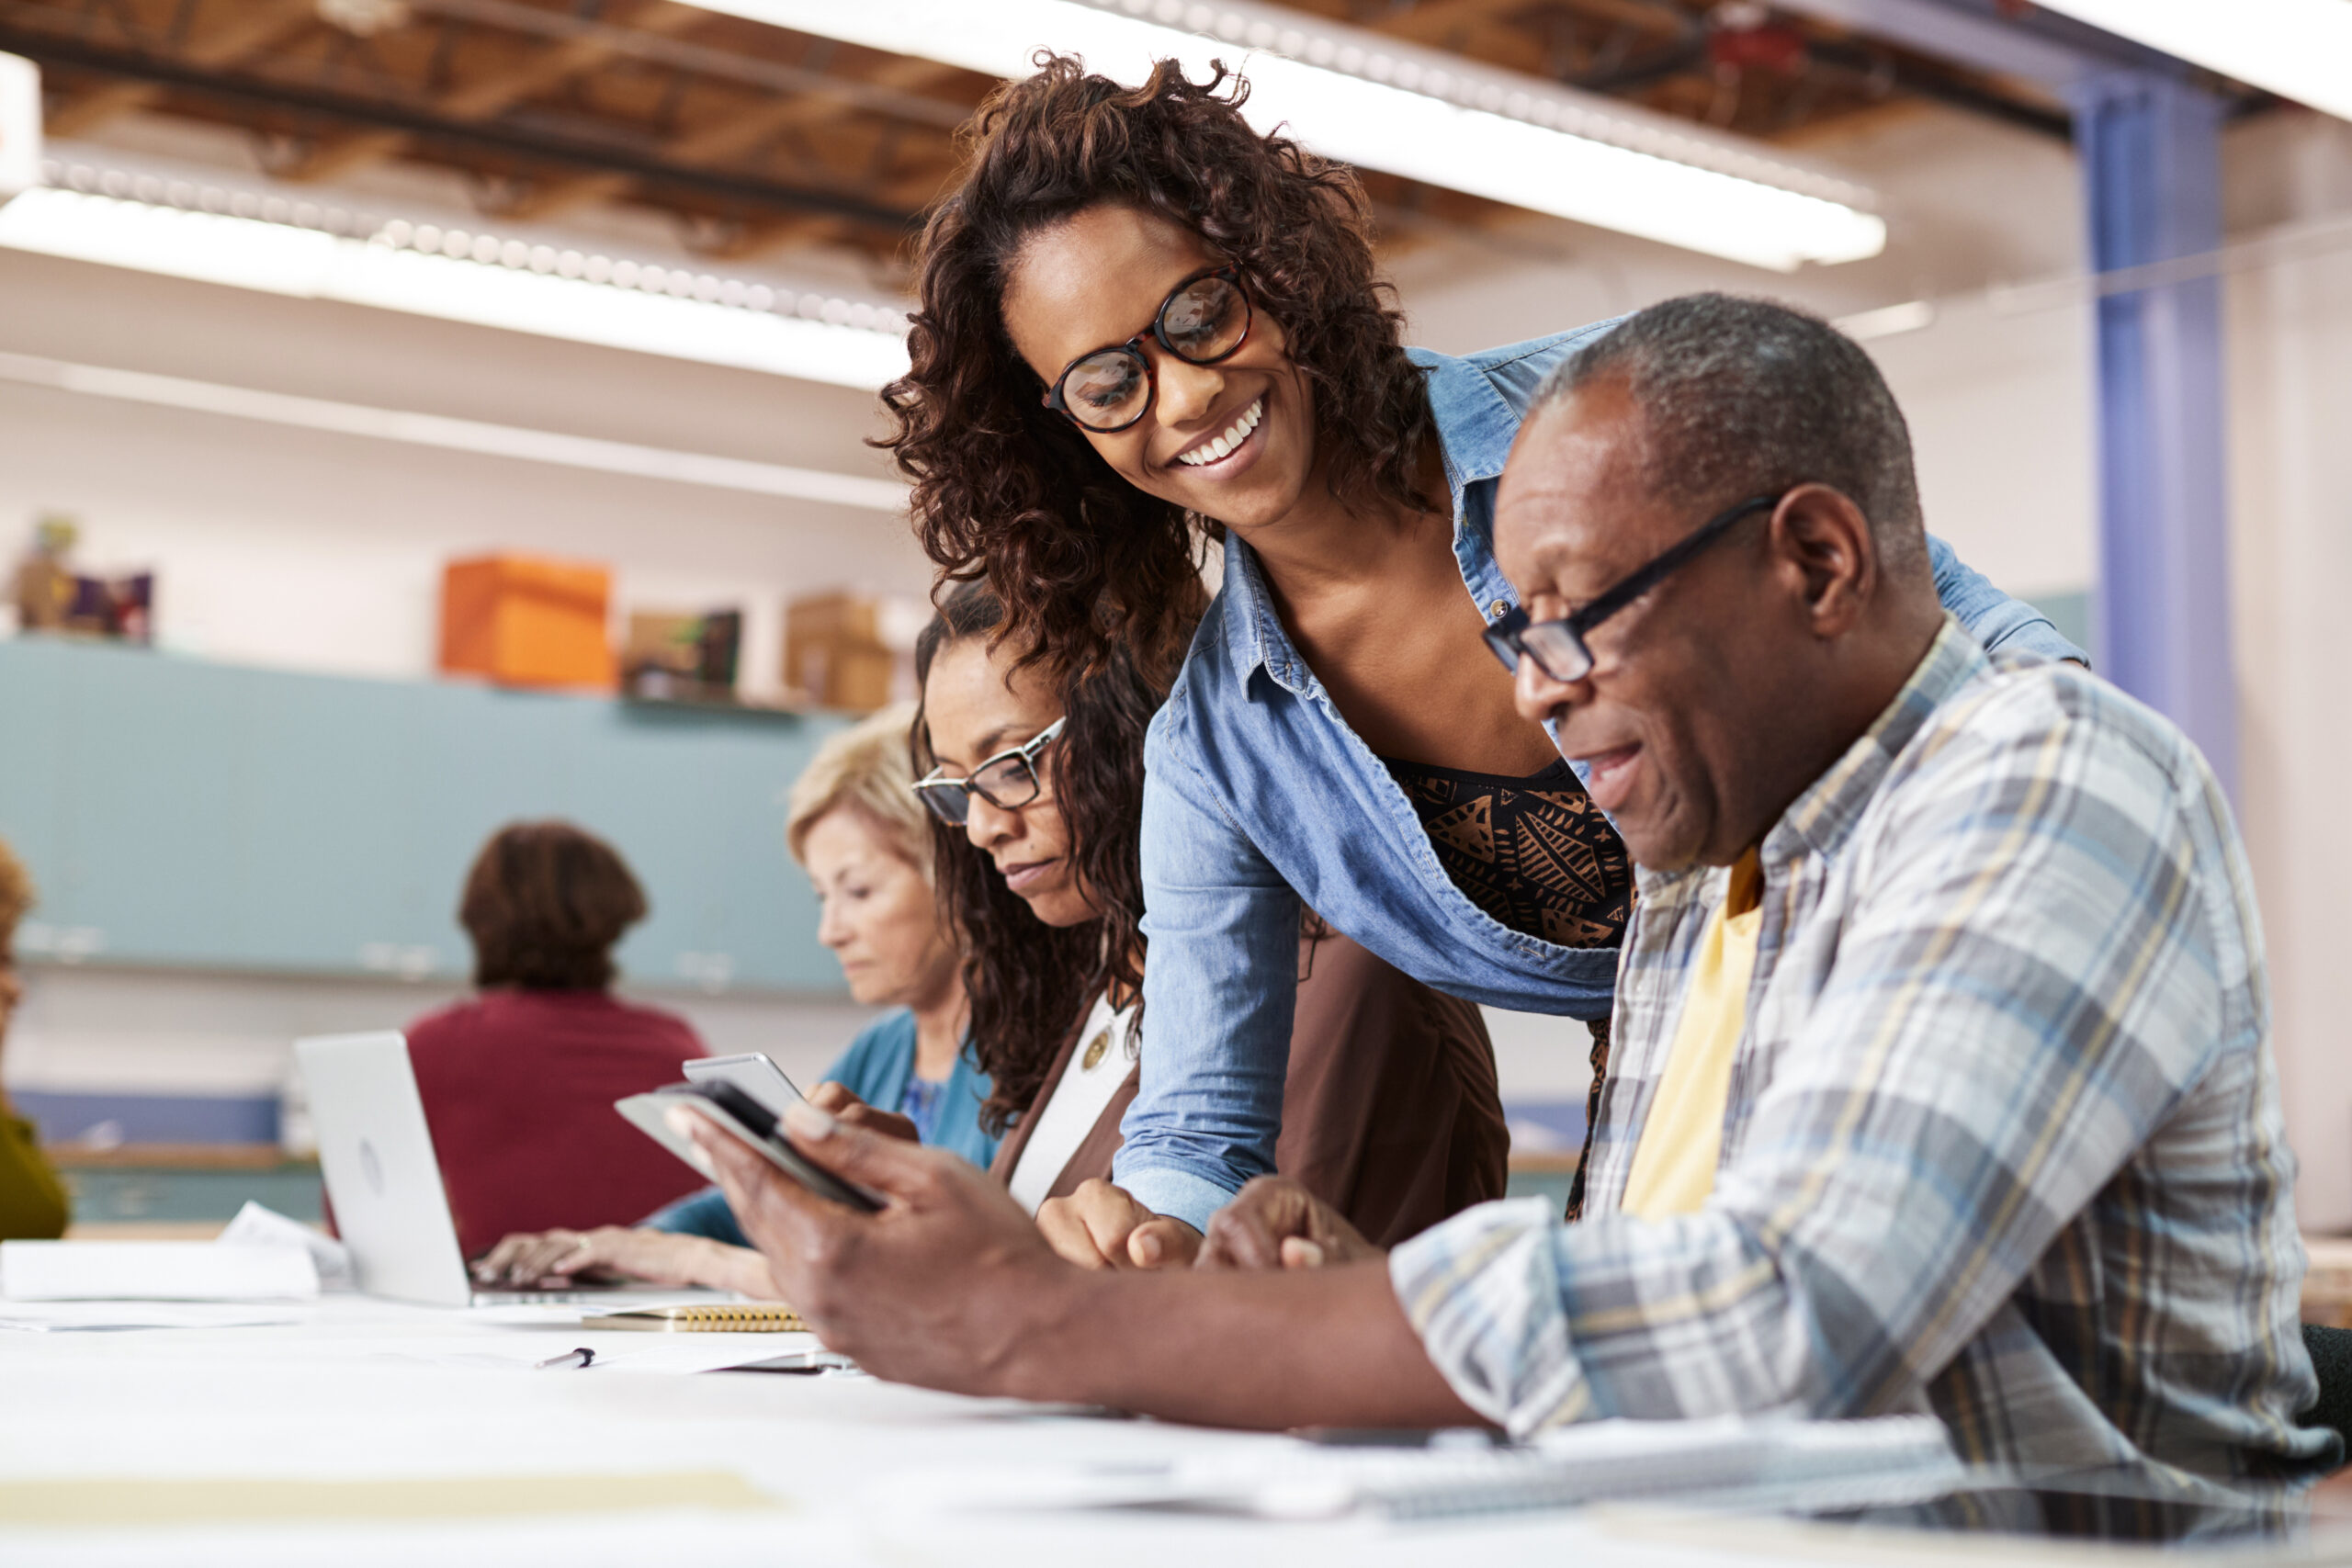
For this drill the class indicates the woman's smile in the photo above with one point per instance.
(1222, 450)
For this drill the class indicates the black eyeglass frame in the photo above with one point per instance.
(1056, 400)
(933, 790)
(1513, 635)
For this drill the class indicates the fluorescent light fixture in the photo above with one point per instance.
(309, 251)
(1887, 320)
(456, 435)
(1381, 104)
(2297, 49)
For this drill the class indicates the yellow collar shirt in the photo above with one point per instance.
(1682, 1137)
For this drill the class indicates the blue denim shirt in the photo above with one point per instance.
(1258, 794)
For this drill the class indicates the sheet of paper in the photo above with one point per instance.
(259, 1227)
(59, 1317)
(155, 1270)
(517, 1351)
(1764, 1462)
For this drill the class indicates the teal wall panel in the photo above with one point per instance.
(197, 815)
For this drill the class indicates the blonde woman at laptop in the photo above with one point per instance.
(855, 828)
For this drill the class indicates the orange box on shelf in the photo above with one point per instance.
(525, 621)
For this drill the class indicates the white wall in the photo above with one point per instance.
(321, 551)
(2290, 425)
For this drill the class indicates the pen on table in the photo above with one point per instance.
(580, 1358)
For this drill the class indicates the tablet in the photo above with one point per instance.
(753, 1072)
(659, 1115)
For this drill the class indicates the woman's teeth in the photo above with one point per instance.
(1209, 452)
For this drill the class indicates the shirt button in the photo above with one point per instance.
(1497, 610)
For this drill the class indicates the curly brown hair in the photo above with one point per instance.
(1009, 492)
(1030, 983)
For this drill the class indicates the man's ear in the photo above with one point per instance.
(1823, 538)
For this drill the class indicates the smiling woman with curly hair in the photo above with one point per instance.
(1080, 554)
(1142, 323)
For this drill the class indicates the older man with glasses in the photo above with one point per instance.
(1944, 1078)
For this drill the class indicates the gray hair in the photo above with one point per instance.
(1748, 397)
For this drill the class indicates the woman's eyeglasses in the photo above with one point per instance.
(1007, 781)
(1204, 319)
(1558, 647)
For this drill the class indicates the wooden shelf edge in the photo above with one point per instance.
(177, 1156)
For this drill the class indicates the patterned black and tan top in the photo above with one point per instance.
(1538, 855)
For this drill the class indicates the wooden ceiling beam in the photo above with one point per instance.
(1493, 30)
(93, 106)
(1660, 21)
(251, 27)
(779, 234)
(492, 93)
(501, 90)
(552, 198)
(735, 133)
(1434, 22)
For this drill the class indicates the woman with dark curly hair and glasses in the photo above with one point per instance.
(1389, 1110)
(1142, 322)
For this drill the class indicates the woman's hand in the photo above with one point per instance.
(1274, 1222)
(1099, 1226)
(558, 1257)
(842, 1105)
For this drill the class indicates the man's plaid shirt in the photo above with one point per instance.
(2004, 1139)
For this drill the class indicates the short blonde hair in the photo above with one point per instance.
(17, 894)
(868, 768)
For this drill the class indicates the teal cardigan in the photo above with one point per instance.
(877, 1068)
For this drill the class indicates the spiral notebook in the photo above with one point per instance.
(734, 1317)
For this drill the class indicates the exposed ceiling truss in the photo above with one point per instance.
(754, 139)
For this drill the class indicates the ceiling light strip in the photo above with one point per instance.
(1381, 104)
(2297, 49)
(457, 435)
(268, 242)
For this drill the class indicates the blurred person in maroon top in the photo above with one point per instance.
(519, 1082)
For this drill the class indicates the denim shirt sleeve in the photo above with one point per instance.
(1219, 990)
(703, 1213)
(1993, 619)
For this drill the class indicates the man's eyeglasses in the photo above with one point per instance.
(1007, 781)
(1204, 319)
(1558, 647)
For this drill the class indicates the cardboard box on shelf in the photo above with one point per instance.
(525, 621)
(49, 595)
(682, 656)
(834, 655)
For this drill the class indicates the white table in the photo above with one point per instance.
(366, 1389)
(369, 1392)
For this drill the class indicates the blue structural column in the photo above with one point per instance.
(2151, 156)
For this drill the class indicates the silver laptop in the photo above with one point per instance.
(376, 1152)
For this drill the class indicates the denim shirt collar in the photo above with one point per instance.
(1475, 427)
